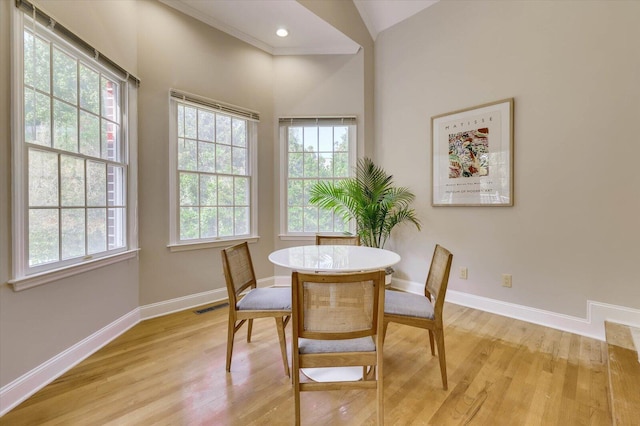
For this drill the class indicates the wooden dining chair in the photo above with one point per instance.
(246, 302)
(337, 321)
(424, 311)
(342, 240)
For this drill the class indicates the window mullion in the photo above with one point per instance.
(295, 146)
(86, 210)
(215, 216)
(59, 206)
(199, 208)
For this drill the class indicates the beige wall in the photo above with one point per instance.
(314, 85)
(110, 27)
(39, 323)
(344, 16)
(326, 85)
(574, 71)
(179, 52)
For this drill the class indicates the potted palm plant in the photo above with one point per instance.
(370, 199)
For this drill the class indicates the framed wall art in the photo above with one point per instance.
(472, 154)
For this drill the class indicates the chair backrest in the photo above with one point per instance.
(342, 240)
(438, 278)
(238, 270)
(337, 306)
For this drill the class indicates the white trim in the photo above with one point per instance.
(25, 276)
(599, 312)
(173, 173)
(282, 137)
(284, 237)
(191, 301)
(175, 244)
(282, 281)
(182, 303)
(19, 184)
(283, 126)
(209, 244)
(591, 326)
(26, 385)
(266, 282)
(252, 142)
(130, 120)
(35, 280)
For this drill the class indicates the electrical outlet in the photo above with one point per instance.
(463, 273)
(506, 280)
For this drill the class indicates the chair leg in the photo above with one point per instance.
(379, 388)
(249, 329)
(283, 344)
(384, 330)
(230, 335)
(441, 357)
(433, 351)
(296, 389)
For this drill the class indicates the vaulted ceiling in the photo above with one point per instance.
(256, 21)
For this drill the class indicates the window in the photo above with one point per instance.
(71, 155)
(212, 171)
(314, 150)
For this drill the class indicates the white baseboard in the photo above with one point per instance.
(24, 386)
(592, 326)
(282, 281)
(599, 312)
(267, 282)
(191, 301)
(181, 303)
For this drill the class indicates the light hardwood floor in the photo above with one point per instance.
(171, 371)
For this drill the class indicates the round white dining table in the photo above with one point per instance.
(339, 258)
(334, 258)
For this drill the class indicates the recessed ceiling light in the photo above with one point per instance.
(282, 32)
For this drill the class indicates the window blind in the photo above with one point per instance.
(213, 104)
(317, 121)
(32, 11)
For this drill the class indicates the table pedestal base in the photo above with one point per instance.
(333, 374)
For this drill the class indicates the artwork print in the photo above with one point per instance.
(469, 153)
(472, 156)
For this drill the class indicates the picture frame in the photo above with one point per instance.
(472, 156)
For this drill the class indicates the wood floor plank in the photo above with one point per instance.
(623, 375)
(171, 371)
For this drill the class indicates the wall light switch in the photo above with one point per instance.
(463, 273)
(506, 280)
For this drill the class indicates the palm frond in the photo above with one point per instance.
(370, 199)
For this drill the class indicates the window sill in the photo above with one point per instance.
(209, 244)
(294, 237)
(307, 237)
(35, 280)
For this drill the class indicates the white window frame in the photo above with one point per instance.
(25, 276)
(285, 123)
(252, 118)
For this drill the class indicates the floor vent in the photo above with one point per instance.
(210, 308)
